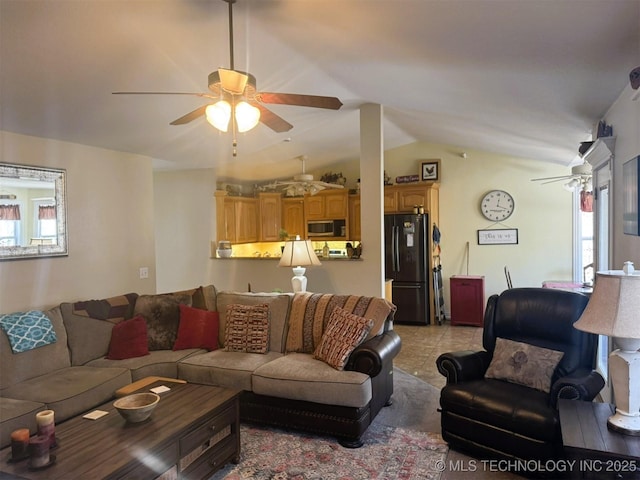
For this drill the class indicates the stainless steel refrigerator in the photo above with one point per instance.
(406, 246)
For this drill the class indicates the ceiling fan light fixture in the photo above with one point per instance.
(247, 116)
(219, 115)
(571, 186)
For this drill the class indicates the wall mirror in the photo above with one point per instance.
(33, 219)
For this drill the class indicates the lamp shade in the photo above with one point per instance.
(614, 306)
(298, 253)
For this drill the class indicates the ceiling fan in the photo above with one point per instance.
(580, 176)
(235, 101)
(302, 183)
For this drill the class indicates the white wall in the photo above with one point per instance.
(110, 226)
(184, 211)
(624, 116)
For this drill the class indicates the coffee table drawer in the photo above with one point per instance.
(212, 460)
(208, 429)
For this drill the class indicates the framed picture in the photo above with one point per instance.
(430, 170)
(501, 236)
(631, 199)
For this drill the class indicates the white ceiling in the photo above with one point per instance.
(528, 78)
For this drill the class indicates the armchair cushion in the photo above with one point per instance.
(525, 364)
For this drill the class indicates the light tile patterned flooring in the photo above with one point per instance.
(421, 346)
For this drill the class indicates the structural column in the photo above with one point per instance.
(372, 196)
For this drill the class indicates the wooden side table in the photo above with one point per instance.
(599, 453)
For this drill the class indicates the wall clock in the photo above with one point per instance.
(497, 205)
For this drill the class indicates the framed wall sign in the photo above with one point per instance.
(430, 170)
(631, 198)
(498, 236)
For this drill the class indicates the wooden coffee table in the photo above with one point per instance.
(193, 432)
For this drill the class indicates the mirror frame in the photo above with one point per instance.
(59, 177)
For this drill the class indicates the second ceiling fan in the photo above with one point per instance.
(236, 103)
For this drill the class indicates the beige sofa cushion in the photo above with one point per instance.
(88, 337)
(159, 363)
(310, 314)
(298, 376)
(73, 390)
(226, 369)
(279, 306)
(17, 367)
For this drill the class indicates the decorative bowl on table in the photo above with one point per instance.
(137, 407)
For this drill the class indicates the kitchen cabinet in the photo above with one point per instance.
(327, 205)
(270, 216)
(236, 218)
(467, 300)
(355, 230)
(293, 221)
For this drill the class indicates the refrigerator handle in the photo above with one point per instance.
(396, 249)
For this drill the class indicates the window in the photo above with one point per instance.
(45, 221)
(9, 224)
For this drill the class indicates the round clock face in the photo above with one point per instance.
(497, 205)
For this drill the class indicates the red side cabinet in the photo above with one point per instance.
(467, 300)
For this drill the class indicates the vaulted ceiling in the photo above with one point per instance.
(527, 78)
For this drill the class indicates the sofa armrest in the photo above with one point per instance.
(581, 385)
(464, 365)
(370, 356)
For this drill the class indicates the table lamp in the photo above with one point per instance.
(298, 254)
(614, 310)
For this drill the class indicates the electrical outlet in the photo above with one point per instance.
(144, 272)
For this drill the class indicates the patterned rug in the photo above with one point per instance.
(388, 453)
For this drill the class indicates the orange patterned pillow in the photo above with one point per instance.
(345, 331)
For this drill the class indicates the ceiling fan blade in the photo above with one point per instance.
(561, 177)
(315, 101)
(202, 95)
(328, 185)
(198, 112)
(271, 120)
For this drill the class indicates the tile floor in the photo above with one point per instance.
(421, 345)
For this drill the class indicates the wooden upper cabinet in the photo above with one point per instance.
(236, 218)
(327, 205)
(270, 207)
(402, 198)
(293, 216)
(246, 213)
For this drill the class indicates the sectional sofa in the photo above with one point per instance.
(317, 362)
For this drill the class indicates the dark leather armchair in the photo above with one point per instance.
(495, 418)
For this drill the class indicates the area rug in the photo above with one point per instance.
(388, 453)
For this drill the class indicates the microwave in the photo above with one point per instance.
(326, 228)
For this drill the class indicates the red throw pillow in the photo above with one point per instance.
(198, 329)
(128, 339)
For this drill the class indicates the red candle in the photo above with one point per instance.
(39, 451)
(19, 443)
